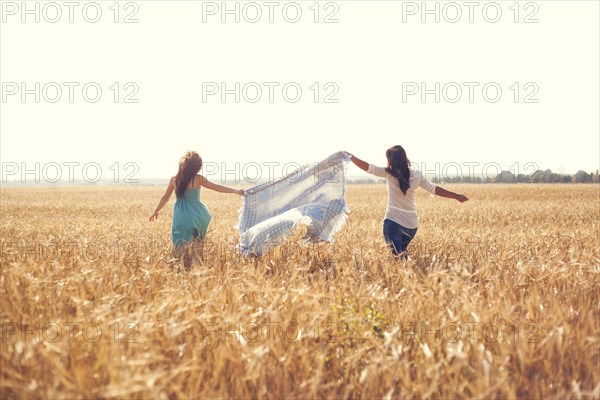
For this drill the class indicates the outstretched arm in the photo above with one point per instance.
(359, 163)
(368, 168)
(164, 200)
(440, 191)
(219, 188)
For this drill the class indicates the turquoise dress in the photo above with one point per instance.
(190, 217)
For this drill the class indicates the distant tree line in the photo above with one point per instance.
(538, 176)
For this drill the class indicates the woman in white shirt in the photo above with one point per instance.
(401, 219)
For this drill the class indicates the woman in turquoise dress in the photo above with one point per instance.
(191, 217)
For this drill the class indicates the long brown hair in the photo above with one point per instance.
(189, 165)
(399, 166)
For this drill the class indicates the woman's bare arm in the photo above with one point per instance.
(164, 199)
(219, 188)
(359, 163)
(440, 191)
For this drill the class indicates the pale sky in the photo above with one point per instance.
(375, 61)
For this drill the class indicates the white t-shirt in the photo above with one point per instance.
(402, 208)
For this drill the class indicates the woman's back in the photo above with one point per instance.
(402, 208)
(191, 192)
(190, 216)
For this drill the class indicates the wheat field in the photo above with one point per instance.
(500, 300)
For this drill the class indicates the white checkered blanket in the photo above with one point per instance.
(313, 195)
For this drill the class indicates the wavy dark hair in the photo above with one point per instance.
(189, 165)
(399, 166)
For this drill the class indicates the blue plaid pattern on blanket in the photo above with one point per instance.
(312, 195)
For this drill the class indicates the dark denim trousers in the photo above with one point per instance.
(397, 237)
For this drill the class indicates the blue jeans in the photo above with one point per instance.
(397, 237)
